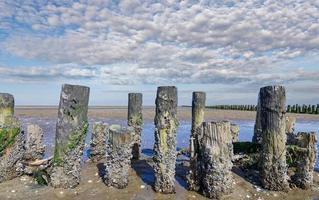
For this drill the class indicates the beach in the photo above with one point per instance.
(120, 112)
(141, 176)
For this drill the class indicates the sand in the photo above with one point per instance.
(141, 175)
(184, 113)
(140, 187)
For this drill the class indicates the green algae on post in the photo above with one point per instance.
(12, 140)
(7, 138)
(6, 108)
(72, 126)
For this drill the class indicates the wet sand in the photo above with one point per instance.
(141, 175)
(140, 188)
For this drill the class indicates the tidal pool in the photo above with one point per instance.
(246, 132)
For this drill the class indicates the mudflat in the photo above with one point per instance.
(141, 176)
(140, 188)
(120, 112)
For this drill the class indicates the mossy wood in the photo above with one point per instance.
(71, 131)
(6, 108)
(12, 140)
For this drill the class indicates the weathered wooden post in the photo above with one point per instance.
(166, 124)
(257, 128)
(34, 143)
(290, 124)
(215, 159)
(135, 120)
(234, 129)
(290, 128)
(12, 140)
(272, 101)
(118, 156)
(198, 110)
(6, 109)
(305, 159)
(98, 141)
(71, 131)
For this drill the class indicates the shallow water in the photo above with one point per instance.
(246, 132)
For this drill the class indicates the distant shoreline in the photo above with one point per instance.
(120, 112)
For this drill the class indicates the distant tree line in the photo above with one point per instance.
(234, 107)
(306, 109)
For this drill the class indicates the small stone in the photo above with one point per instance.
(142, 186)
(248, 196)
(89, 181)
(13, 191)
(23, 179)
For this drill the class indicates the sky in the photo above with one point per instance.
(227, 48)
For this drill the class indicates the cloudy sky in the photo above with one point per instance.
(228, 48)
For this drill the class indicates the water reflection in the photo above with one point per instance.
(246, 132)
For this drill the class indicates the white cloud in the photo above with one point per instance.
(169, 41)
(35, 74)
